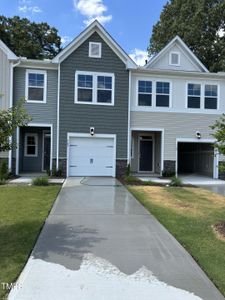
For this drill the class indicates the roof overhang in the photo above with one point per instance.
(10, 55)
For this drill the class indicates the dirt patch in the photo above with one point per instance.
(219, 230)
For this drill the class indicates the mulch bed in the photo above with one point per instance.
(220, 229)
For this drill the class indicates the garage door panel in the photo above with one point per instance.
(91, 156)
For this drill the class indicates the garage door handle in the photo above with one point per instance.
(109, 167)
(73, 166)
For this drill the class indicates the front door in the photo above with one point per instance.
(146, 154)
(46, 151)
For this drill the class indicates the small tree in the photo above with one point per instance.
(219, 135)
(10, 119)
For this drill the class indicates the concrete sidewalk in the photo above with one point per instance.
(99, 242)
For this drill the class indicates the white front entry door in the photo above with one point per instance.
(91, 156)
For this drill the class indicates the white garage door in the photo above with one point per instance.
(91, 156)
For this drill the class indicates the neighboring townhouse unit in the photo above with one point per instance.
(174, 100)
(94, 111)
(8, 61)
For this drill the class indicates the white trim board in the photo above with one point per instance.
(87, 135)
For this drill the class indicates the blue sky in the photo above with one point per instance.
(129, 22)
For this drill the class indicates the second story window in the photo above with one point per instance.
(211, 95)
(162, 94)
(144, 93)
(194, 95)
(36, 86)
(94, 88)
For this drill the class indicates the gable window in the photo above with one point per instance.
(144, 93)
(85, 88)
(175, 58)
(36, 86)
(194, 95)
(211, 95)
(95, 50)
(31, 145)
(162, 94)
(94, 88)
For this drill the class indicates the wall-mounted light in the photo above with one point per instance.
(92, 131)
(198, 135)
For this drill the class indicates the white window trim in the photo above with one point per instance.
(36, 145)
(33, 71)
(170, 59)
(153, 106)
(100, 50)
(94, 88)
(144, 93)
(202, 96)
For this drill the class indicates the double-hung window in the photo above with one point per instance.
(211, 94)
(194, 95)
(162, 94)
(94, 88)
(36, 86)
(31, 145)
(144, 93)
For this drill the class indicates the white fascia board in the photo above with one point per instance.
(7, 51)
(173, 41)
(95, 27)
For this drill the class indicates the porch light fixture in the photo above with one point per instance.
(198, 135)
(92, 131)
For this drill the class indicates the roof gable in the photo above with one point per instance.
(83, 36)
(10, 55)
(188, 61)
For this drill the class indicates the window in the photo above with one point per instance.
(95, 50)
(194, 95)
(144, 93)
(211, 96)
(85, 88)
(31, 145)
(104, 89)
(162, 94)
(36, 86)
(175, 58)
(94, 88)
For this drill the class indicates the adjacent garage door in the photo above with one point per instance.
(91, 156)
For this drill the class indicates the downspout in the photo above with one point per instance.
(57, 127)
(12, 66)
(128, 127)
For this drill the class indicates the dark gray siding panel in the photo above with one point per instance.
(80, 117)
(40, 113)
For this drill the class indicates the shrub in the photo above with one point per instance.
(2, 181)
(127, 173)
(40, 181)
(48, 172)
(56, 173)
(175, 181)
(168, 173)
(4, 174)
(132, 179)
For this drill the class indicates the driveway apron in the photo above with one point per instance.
(98, 230)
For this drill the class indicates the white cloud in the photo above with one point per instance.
(65, 40)
(139, 56)
(25, 6)
(92, 10)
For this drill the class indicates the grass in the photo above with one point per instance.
(189, 213)
(23, 210)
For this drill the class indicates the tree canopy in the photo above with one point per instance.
(29, 39)
(201, 25)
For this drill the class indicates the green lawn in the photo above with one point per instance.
(189, 213)
(23, 210)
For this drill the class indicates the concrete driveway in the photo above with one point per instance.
(100, 243)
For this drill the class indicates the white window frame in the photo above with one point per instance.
(100, 50)
(170, 86)
(144, 93)
(33, 71)
(153, 106)
(35, 135)
(170, 59)
(94, 88)
(202, 96)
(214, 97)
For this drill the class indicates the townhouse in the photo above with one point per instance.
(94, 111)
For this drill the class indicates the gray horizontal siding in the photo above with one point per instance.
(80, 117)
(175, 125)
(40, 113)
